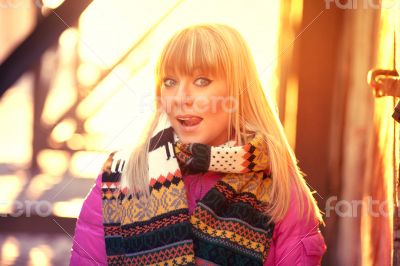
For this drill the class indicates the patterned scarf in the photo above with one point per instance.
(229, 225)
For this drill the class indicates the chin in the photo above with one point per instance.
(191, 139)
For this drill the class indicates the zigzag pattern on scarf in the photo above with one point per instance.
(228, 226)
(237, 226)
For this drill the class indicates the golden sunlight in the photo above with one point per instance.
(9, 251)
(40, 256)
(70, 208)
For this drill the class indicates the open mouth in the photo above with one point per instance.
(189, 121)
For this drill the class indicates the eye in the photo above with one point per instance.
(202, 82)
(169, 82)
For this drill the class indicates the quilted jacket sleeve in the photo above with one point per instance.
(88, 246)
(295, 240)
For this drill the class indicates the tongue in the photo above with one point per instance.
(192, 121)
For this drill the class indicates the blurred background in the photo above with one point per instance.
(76, 82)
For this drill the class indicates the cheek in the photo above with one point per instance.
(166, 103)
(222, 106)
(212, 105)
(222, 100)
(218, 119)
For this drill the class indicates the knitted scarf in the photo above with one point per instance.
(229, 225)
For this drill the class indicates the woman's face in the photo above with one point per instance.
(197, 107)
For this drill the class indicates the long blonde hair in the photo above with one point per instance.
(221, 50)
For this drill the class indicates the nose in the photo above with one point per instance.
(184, 95)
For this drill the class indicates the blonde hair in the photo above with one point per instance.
(221, 50)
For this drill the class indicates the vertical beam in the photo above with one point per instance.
(316, 50)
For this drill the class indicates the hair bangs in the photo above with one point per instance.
(192, 51)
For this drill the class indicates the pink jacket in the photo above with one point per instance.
(294, 241)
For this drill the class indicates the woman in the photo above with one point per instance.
(214, 180)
